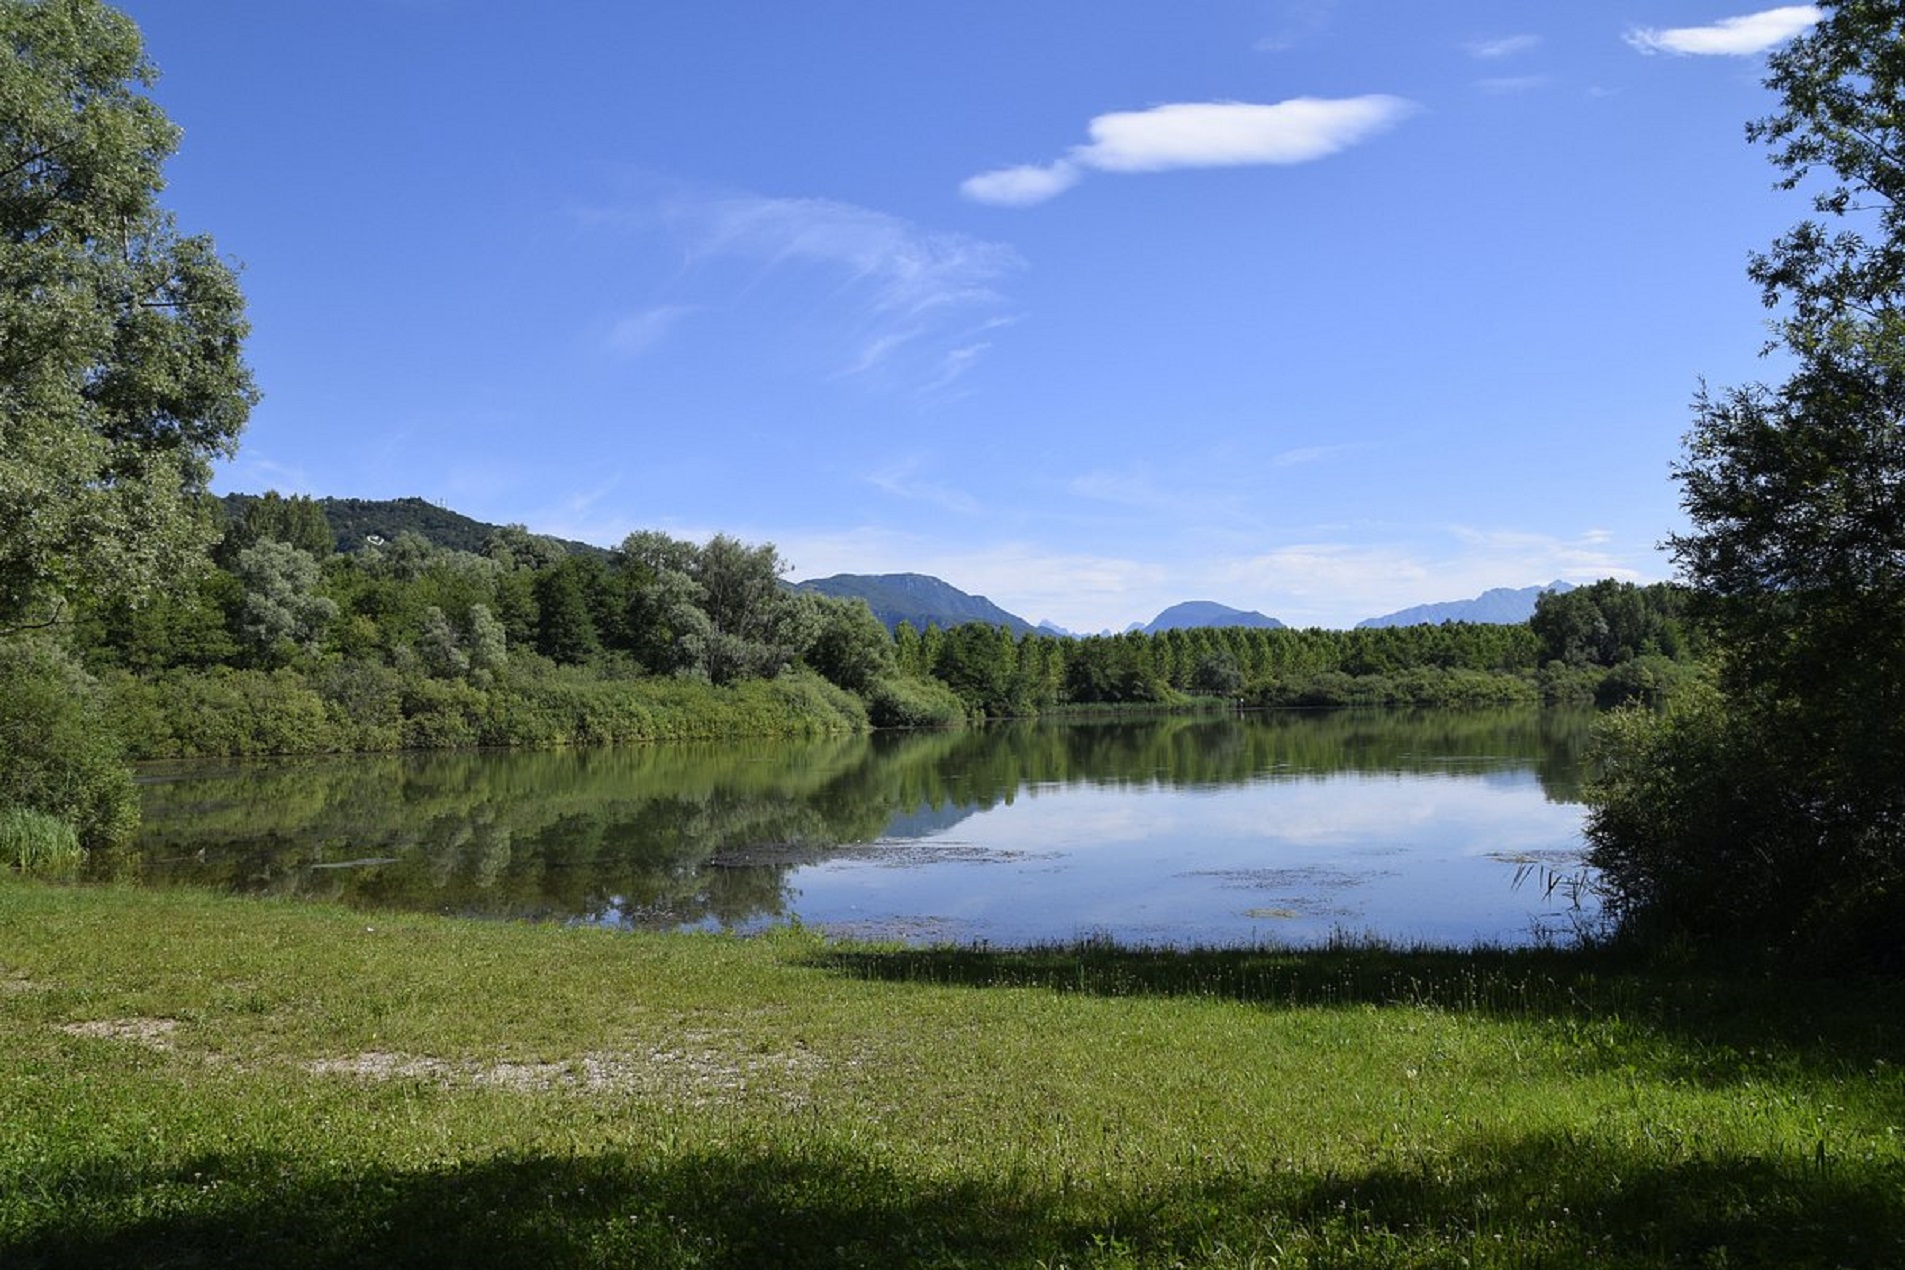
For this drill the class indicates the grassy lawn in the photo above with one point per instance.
(189, 1080)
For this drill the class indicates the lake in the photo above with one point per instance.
(1426, 827)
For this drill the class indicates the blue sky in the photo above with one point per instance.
(1316, 307)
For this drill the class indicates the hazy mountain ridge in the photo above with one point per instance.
(917, 598)
(1192, 614)
(1500, 606)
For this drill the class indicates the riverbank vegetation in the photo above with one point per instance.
(206, 1081)
(406, 644)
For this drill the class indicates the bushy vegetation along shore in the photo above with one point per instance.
(205, 1081)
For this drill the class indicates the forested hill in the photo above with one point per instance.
(917, 599)
(355, 520)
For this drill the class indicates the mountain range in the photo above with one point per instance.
(1503, 606)
(917, 598)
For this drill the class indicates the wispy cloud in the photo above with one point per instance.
(1507, 85)
(250, 470)
(900, 267)
(1729, 37)
(1198, 135)
(879, 293)
(639, 332)
(1296, 21)
(903, 480)
(1313, 454)
(1501, 46)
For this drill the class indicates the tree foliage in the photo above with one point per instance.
(121, 375)
(1796, 498)
(1608, 622)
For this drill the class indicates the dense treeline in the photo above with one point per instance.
(1609, 642)
(284, 645)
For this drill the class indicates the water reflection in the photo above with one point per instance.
(1181, 829)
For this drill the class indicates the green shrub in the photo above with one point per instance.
(59, 752)
(1699, 830)
(442, 714)
(906, 701)
(231, 713)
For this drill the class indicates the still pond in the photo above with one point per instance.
(1434, 827)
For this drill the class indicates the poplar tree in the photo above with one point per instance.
(121, 368)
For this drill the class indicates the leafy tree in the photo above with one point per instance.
(282, 608)
(298, 520)
(1609, 622)
(514, 547)
(488, 645)
(121, 375)
(566, 630)
(755, 627)
(189, 626)
(405, 558)
(440, 647)
(1218, 675)
(850, 647)
(1796, 497)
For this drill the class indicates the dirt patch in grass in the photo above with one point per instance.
(697, 1067)
(152, 1033)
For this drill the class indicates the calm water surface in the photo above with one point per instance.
(1433, 827)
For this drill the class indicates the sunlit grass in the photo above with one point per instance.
(193, 1080)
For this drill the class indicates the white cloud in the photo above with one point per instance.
(1224, 134)
(1199, 135)
(1021, 186)
(1504, 46)
(1729, 37)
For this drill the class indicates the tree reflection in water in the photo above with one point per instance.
(676, 835)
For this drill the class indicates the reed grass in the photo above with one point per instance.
(35, 842)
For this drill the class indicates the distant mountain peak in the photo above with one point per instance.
(917, 598)
(1200, 613)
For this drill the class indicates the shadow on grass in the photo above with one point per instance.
(1539, 1202)
(1735, 1023)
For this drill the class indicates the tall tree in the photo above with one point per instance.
(121, 374)
(1779, 814)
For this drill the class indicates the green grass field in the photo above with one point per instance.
(193, 1081)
